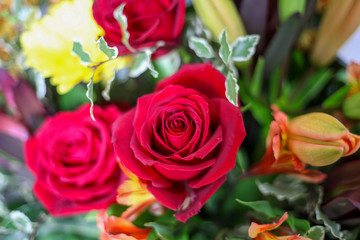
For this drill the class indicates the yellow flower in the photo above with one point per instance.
(48, 46)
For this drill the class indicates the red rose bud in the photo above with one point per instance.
(148, 23)
(73, 161)
(182, 139)
(319, 139)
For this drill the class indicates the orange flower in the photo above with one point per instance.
(317, 139)
(353, 77)
(119, 228)
(277, 158)
(261, 231)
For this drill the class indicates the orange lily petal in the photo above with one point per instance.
(118, 228)
(255, 229)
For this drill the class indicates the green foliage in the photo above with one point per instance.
(122, 20)
(351, 107)
(78, 50)
(336, 98)
(284, 188)
(232, 89)
(316, 233)
(310, 89)
(111, 52)
(243, 48)
(201, 47)
(20, 221)
(225, 49)
(73, 99)
(333, 227)
(90, 96)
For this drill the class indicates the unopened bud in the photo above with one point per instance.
(319, 139)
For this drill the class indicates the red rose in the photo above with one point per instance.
(148, 22)
(73, 160)
(182, 140)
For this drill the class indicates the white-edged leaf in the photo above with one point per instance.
(79, 51)
(232, 89)
(149, 64)
(122, 20)
(139, 65)
(243, 48)
(333, 227)
(283, 187)
(225, 49)
(316, 233)
(106, 92)
(21, 221)
(4, 211)
(201, 47)
(4, 180)
(111, 52)
(90, 96)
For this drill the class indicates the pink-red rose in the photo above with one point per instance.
(73, 161)
(149, 21)
(182, 139)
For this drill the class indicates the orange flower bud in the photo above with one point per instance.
(319, 139)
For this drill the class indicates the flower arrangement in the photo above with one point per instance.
(174, 119)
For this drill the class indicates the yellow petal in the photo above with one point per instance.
(48, 45)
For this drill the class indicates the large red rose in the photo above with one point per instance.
(182, 139)
(73, 160)
(149, 21)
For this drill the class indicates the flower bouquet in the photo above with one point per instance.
(174, 119)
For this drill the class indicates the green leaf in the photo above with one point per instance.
(287, 8)
(149, 64)
(351, 106)
(283, 188)
(274, 85)
(21, 221)
(263, 207)
(72, 99)
(164, 231)
(242, 160)
(122, 20)
(90, 96)
(4, 211)
(331, 225)
(139, 65)
(232, 89)
(225, 49)
(311, 89)
(106, 92)
(167, 64)
(78, 50)
(316, 233)
(298, 225)
(111, 52)
(201, 47)
(336, 98)
(243, 48)
(256, 82)
(281, 44)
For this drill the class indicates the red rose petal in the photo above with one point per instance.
(233, 134)
(200, 77)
